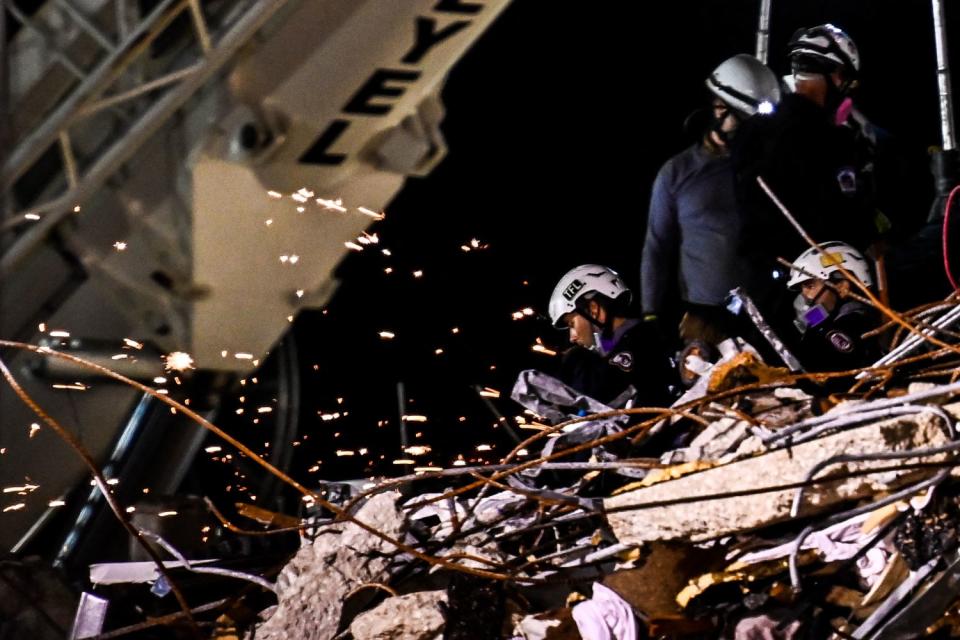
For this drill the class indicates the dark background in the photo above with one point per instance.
(558, 120)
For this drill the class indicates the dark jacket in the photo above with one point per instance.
(632, 356)
(836, 344)
(815, 168)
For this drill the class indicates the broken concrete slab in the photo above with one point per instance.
(699, 520)
(415, 616)
(313, 586)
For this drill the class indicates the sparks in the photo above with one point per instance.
(274, 194)
(487, 392)
(414, 418)
(166, 514)
(387, 335)
(336, 205)
(243, 356)
(418, 273)
(418, 449)
(178, 361)
(372, 214)
(132, 343)
(33, 429)
(59, 334)
(27, 488)
(353, 246)
(31, 216)
(539, 348)
(15, 507)
(120, 246)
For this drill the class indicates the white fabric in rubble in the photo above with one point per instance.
(838, 542)
(606, 616)
(765, 627)
(557, 402)
(492, 507)
(488, 509)
(728, 349)
(443, 510)
(580, 433)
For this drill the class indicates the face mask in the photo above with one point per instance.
(815, 315)
(716, 124)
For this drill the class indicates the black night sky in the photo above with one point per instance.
(557, 122)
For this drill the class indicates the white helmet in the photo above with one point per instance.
(585, 282)
(746, 84)
(827, 45)
(831, 257)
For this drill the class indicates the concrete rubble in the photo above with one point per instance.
(697, 520)
(760, 510)
(415, 616)
(713, 537)
(315, 583)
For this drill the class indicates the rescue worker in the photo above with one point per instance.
(833, 323)
(810, 162)
(694, 222)
(611, 349)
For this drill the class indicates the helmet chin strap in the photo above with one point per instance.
(599, 327)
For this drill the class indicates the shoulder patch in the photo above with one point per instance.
(623, 360)
(840, 341)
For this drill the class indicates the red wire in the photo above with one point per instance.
(946, 230)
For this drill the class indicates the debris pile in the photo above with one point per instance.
(764, 504)
(778, 510)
